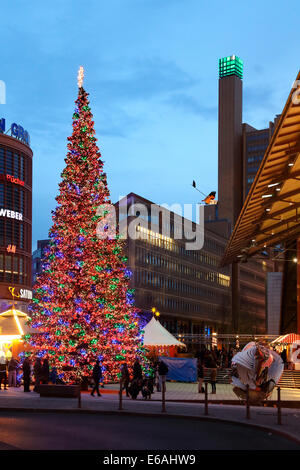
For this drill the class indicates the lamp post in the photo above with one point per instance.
(155, 312)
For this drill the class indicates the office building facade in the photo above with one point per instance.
(15, 222)
(184, 285)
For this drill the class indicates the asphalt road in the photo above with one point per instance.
(50, 431)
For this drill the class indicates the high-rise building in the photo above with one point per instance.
(255, 143)
(241, 149)
(15, 218)
(230, 164)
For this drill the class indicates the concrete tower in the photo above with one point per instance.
(230, 171)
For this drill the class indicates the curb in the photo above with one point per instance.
(261, 427)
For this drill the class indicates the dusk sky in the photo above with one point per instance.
(151, 68)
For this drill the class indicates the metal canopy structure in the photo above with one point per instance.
(271, 212)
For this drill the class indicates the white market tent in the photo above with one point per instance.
(157, 335)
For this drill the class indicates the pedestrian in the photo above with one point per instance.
(45, 372)
(37, 371)
(137, 370)
(97, 375)
(162, 372)
(213, 377)
(125, 378)
(156, 376)
(3, 373)
(200, 370)
(26, 374)
(12, 372)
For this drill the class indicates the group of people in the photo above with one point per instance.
(41, 372)
(11, 367)
(210, 359)
(138, 383)
(222, 357)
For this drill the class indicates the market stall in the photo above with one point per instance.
(288, 346)
(163, 345)
(12, 328)
(155, 335)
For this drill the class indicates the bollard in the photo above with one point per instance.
(163, 397)
(121, 395)
(206, 399)
(247, 403)
(278, 406)
(79, 396)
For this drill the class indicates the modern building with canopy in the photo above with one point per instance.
(268, 223)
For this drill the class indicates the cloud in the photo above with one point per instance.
(143, 79)
(191, 105)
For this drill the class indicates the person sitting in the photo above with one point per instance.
(53, 375)
(146, 390)
(134, 388)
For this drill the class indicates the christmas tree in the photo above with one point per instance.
(82, 306)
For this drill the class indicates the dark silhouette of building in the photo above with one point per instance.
(37, 257)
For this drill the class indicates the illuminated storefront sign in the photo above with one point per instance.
(11, 214)
(17, 131)
(20, 293)
(12, 179)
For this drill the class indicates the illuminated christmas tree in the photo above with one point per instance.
(83, 306)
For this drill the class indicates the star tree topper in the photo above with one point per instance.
(80, 76)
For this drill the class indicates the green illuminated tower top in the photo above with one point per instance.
(231, 65)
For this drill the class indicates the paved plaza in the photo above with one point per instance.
(189, 391)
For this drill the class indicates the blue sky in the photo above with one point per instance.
(151, 70)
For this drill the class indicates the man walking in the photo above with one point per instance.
(97, 374)
(162, 372)
(26, 374)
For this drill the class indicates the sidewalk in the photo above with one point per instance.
(14, 399)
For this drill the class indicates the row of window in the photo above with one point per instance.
(15, 198)
(170, 304)
(15, 269)
(183, 327)
(255, 158)
(14, 232)
(257, 148)
(251, 276)
(252, 291)
(15, 164)
(148, 278)
(213, 246)
(161, 241)
(258, 137)
(149, 258)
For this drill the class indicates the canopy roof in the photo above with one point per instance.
(271, 212)
(157, 335)
(13, 324)
(287, 339)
